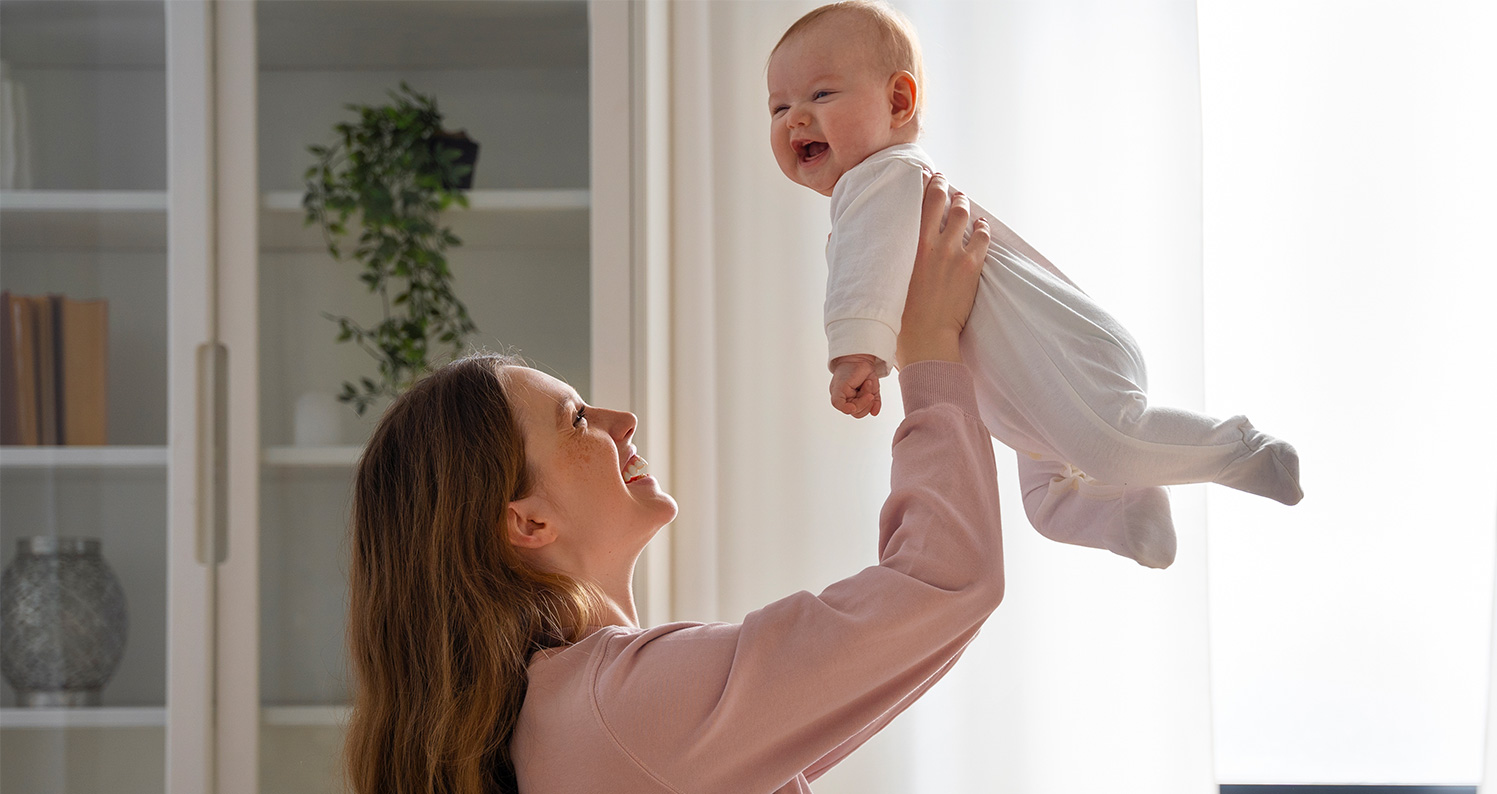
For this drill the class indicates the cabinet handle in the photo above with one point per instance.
(212, 459)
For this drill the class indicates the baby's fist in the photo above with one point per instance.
(854, 386)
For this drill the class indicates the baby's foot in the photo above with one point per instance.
(1148, 527)
(1269, 467)
(1133, 522)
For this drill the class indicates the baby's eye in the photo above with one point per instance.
(820, 94)
(777, 110)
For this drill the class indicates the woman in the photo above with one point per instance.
(497, 521)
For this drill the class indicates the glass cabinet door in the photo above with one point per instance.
(84, 469)
(514, 76)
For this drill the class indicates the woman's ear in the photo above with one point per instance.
(903, 98)
(526, 525)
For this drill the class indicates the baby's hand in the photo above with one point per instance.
(854, 387)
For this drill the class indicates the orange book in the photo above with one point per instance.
(23, 338)
(10, 429)
(84, 372)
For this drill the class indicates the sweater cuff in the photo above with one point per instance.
(927, 383)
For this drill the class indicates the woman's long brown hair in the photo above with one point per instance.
(443, 614)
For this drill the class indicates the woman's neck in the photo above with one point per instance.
(617, 608)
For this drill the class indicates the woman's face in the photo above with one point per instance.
(596, 490)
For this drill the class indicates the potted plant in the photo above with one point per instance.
(395, 168)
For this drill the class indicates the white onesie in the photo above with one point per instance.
(1058, 378)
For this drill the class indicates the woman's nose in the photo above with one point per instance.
(623, 425)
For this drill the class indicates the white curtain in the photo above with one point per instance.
(1350, 203)
(1291, 204)
(1078, 123)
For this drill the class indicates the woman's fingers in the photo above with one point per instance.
(944, 279)
(957, 219)
(933, 211)
(982, 236)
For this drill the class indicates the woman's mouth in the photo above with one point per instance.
(638, 469)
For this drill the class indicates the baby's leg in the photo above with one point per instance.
(1067, 506)
(1167, 446)
(1058, 374)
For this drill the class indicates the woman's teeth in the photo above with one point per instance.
(636, 469)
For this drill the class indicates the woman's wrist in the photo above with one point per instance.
(916, 346)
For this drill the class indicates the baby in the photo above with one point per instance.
(1059, 379)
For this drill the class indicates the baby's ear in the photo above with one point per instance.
(903, 97)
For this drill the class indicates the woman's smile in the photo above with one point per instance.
(637, 469)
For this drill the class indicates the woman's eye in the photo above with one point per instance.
(580, 417)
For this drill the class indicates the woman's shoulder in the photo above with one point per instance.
(579, 725)
(615, 643)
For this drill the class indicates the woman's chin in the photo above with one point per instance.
(668, 510)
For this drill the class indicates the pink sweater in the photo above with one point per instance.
(771, 703)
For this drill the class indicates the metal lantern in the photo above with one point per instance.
(62, 622)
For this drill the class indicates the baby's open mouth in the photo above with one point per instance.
(810, 150)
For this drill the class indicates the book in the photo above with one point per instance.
(45, 330)
(84, 372)
(23, 339)
(10, 429)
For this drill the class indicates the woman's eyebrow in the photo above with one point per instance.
(561, 411)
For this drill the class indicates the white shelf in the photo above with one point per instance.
(83, 200)
(313, 457)
(84, 219)
(516, 200)
(305, 716)
(82, 457)
(23, 718)
(495, 219)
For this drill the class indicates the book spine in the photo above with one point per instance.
(46, 369)
(85, 372)
(23, 326)
(10, 428)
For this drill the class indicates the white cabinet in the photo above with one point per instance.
(168, 142)
(91, 222)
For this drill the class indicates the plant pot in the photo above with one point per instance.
(467, 149)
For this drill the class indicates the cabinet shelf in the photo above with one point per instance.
(504, 219)
(312, 457)
(84, 219)
(305, 716)
(83, 457)
(19, 718)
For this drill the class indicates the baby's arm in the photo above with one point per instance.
(875, 233)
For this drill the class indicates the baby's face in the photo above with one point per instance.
(828, 103)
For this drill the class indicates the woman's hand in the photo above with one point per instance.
(944, 282)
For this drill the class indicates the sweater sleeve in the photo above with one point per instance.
(875, 233)
(801, 682)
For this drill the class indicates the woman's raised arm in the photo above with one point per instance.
(776, 700)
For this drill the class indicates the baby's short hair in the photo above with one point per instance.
(898, 45)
